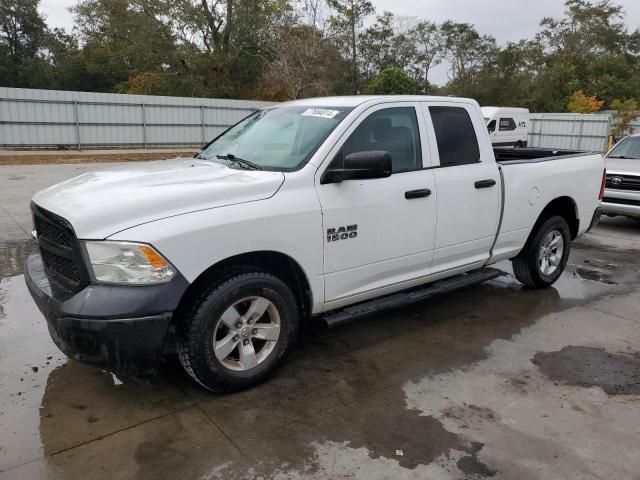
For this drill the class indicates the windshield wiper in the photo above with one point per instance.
(246, 164)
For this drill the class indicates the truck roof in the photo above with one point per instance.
(491, 111)
(357, 100)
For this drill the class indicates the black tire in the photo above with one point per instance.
(519, 144)
(195, 343)
(526, 266)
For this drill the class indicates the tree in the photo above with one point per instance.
(467, 50)
(377, 50)
(347, 20)
(391, 81)
(387, 43)
(589, 49)
(581, 103)
(626, 111)
(23, 35)
(303, 63)
(123, 39)
(429, 42)
(304, 58)
(283, 49)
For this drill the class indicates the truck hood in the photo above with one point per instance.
(101, 203)
(625, 166)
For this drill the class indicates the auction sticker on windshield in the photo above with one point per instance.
(319, 112)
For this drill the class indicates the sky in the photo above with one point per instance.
(506, 20)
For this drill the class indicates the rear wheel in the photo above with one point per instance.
(545, 255)
(238, 331)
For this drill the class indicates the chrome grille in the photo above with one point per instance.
(623, 182)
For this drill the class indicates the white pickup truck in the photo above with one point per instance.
(322, 209)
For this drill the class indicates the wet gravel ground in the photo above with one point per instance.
(493, 381)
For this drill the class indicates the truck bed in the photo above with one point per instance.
(531, 155)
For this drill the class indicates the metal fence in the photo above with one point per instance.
(570, 131)
(81, 120)
(61, 119)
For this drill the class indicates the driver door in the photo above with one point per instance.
(379, 234)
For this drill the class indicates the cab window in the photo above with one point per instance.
(394, 130)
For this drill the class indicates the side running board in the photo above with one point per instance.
(377, 305)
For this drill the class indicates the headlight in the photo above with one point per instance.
(128, 263)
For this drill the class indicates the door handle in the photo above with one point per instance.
(424, 192)
(485, 183)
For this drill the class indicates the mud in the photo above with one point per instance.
(616, 374)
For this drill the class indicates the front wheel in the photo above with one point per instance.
(238, 331)
(545, 255)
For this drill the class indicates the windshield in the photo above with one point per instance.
(279, 138)
(627, 148)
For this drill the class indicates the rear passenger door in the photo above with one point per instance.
(468, 186)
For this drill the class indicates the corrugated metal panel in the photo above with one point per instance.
(570, 131)
(49, 118)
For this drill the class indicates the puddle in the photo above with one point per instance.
(27, 357)
(472, 466)
(592, 367)
(595, 275)
(49, 403)
(13, 256)
(531, 427)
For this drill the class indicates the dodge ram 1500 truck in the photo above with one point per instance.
(324, 208)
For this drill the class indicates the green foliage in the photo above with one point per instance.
(625, 112)
(467, 50)
(284, 49)
(23, 38)
(345, 22)
(391, 81)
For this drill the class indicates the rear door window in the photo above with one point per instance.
(507, 124)
(455, 135)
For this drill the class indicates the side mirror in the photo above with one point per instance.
(360, 166)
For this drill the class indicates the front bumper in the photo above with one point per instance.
(611, 208)
(621, 202)
(122, 328)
